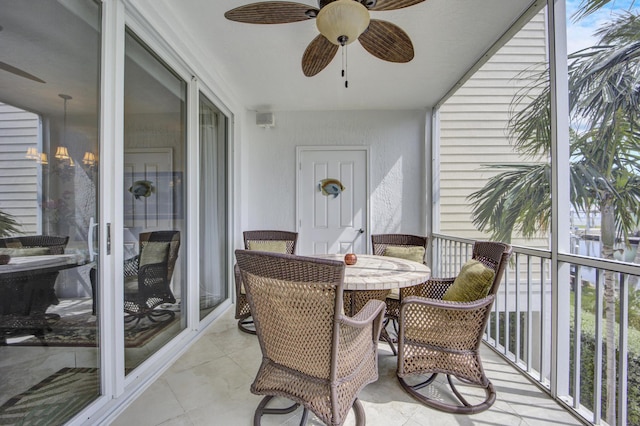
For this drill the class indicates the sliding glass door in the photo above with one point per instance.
(58, 293)
(49, 168)
(155, 147)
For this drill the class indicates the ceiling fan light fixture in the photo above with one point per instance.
(342, 21)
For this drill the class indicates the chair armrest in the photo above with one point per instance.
(371, 315)
(130, 266)
(447, 305)
(456, 326)
(238, 278)
(359, 337)
(367, 314)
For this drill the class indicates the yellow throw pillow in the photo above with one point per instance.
(275, 246)
(415, 253)
(472, 283)
(154, 252)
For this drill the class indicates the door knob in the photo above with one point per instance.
(360, 231)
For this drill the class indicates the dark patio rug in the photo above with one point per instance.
(53, 401)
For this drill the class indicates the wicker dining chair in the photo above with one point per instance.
(147, 277)
(151, 278)
(438, 335)
(312, 353)
(406, 246)
(283, 242)
(25, 298)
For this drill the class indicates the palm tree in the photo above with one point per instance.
(8, 225)
(604, 102)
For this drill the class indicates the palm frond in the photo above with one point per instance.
(516, 199)
(588, 7)
(8, 225)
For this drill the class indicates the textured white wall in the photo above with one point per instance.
(397, 176)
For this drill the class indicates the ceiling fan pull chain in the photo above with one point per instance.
(344, 66)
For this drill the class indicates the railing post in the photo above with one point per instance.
(560, 178)
(597, 359)
(623, 341)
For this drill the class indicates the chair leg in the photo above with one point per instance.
(155, 313)
(305, 417)
(262, 409)
(384, 335)
(245, 323)
(465, 408)
(152, 314)
(358, 409)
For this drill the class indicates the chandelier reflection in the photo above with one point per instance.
(63, 159)
(89, 159)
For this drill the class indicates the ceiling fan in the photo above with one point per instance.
(17, 71)
(340, 22)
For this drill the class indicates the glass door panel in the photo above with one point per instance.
(49, 145)
(154, 197)
(213, 207)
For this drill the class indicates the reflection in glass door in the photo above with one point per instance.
(49, 129)
(154, 197)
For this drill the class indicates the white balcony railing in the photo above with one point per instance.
(520, 328)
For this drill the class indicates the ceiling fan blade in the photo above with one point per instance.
(318, 55)
(18, 71)
(393, 4)
(387, 41)
(271, 12)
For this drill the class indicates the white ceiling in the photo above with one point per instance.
(258, 66)
(262, 63)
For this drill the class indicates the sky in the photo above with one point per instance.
(580, 34)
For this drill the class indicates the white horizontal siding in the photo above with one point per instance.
(473, 127)
(18, 174)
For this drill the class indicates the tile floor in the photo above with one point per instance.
(209, 385)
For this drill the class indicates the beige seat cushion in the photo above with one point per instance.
(415, 253)
(472, 283)
(154, 252)
(272, 246)
(25, 251)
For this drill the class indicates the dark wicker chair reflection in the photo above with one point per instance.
(147, 277)
(405, 246)
(25, 298)
(438, 336)
(312, 353)
(283, 242)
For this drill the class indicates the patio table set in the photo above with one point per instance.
(319, 319)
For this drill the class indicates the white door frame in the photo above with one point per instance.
(306, 148)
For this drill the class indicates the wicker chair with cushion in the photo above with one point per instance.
(312, 353)
(283, 242)
(147, 277)
(405, 246)
(441, 330)
(25, 298)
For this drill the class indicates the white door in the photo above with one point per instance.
(153, 209)
(334, 221)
